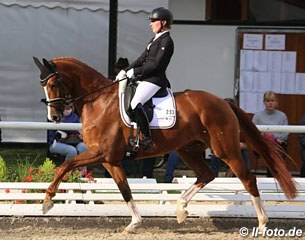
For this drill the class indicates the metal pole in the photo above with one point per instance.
(112, 44)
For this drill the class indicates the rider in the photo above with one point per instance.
(149, 69)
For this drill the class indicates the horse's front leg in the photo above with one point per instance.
(118, 174)
(83, 159)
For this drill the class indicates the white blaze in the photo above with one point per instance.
(48, 107)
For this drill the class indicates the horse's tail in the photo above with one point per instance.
(271, 152)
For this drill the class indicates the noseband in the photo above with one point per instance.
(56, 101)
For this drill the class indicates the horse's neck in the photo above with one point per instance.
(90, 84)
(106, 96)
(83, 79)
(85, 83)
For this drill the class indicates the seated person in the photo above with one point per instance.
(67, 143)
(272, 116)
(302, 144)
(148, 167)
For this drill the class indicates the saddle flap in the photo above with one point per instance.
(161, 111)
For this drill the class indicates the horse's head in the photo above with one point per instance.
(52, 83)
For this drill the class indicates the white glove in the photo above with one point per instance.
(130, 73)
(121, 75)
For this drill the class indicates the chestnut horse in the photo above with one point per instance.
(203, 120)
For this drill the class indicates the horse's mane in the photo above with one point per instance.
(71, 59)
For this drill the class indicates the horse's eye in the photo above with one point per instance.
(53, 87)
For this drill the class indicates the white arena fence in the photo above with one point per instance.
(223, 197)
(78, 126)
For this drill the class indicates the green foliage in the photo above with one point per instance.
(22, 168)
(3, 170)
(33, 153)
(45, 172)
(73, 176)
(32, 166)
(47, 166)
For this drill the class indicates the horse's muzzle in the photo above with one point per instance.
(55, 119)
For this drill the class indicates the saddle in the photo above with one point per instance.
(148, 106)
(160, 110)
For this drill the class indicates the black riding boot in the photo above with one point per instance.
(142, 122)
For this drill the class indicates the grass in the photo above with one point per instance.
(19, 158)
(34, 154)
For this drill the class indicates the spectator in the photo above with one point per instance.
(302, 144)
(172, 162)
(148, 167)
(67, 143)
(271, 116)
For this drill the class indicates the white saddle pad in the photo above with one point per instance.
(164, 112)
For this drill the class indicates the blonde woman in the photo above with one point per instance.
(272, 116)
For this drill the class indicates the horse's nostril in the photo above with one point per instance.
(54, 118)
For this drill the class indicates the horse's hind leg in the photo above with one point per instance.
(249, 181)
(193, 158)
(118, 174)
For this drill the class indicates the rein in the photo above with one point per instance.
(48, 70)
(71, 100)
(67, 101)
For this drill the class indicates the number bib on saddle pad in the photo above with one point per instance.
(164, 115)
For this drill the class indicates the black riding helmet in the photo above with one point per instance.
(161, 13)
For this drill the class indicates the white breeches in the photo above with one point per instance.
(144, 92)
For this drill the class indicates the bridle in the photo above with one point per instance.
(60, 102)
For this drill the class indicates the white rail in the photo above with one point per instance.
(40, 125)
(77, 126)
(223, 197)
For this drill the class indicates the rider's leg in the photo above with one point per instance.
(142, 122)
(144, 92)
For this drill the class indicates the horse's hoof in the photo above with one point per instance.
(132, 227)
(181, 215)
(47, 205)
(128, 231)
(262, 224)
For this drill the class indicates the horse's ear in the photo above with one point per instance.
(49, 65)
(44, 72)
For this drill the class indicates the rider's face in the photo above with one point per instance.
(156, 25)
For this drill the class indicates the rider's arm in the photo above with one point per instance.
(158, 63)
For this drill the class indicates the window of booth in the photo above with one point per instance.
(256, 11)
